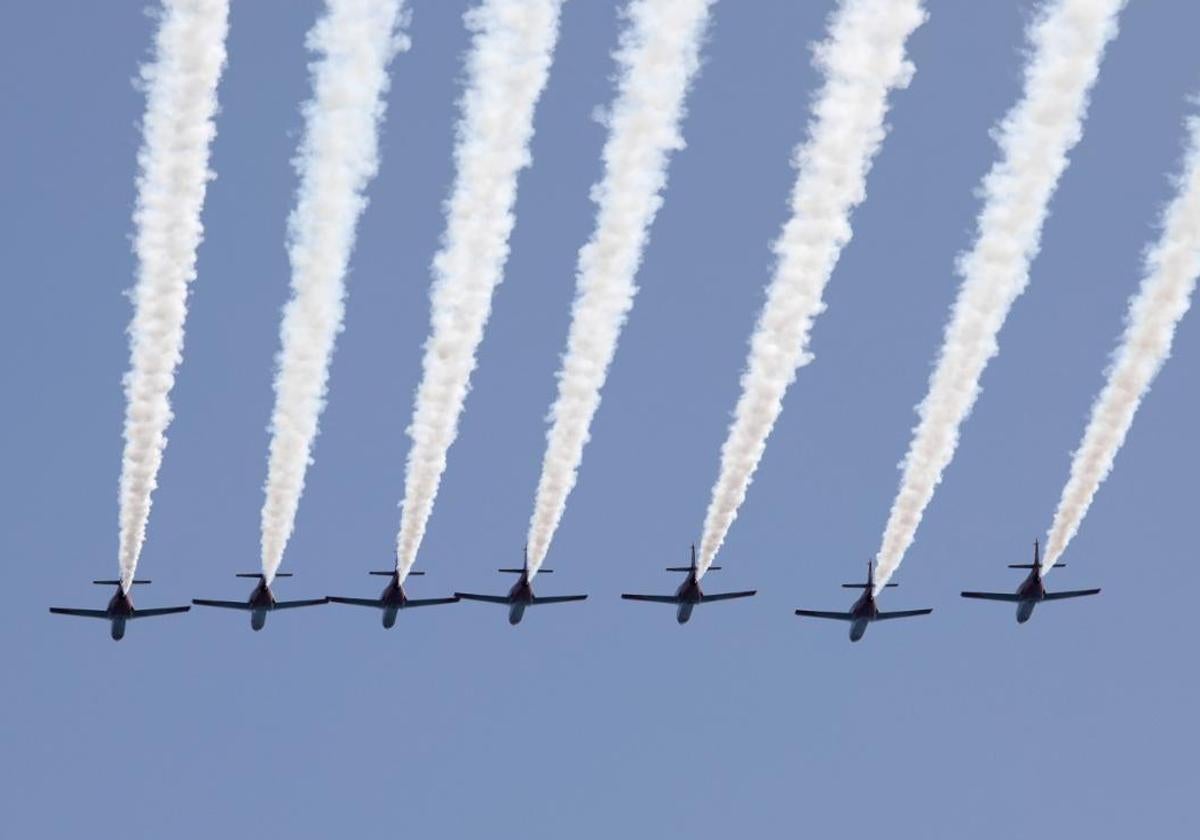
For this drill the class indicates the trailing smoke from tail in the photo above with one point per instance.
(506, 71)
(658, 57)
(1165, 295)
(863, 60)
(177, 130)
(1035, 137)
(355, 40)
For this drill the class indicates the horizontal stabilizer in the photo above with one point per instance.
(1076, 593)
(867, 585)
(260, 574)
(522, 571)
(691, 569)
(117, 582)
(392, 573)
(652, 599)
(993, 596)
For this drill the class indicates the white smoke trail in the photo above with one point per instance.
(178, 127)
(1165, 295)
(507, 68)
(863, 59)
(658, 57)
(355, 40)
(1035, 137)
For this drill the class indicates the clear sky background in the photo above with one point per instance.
(604, 718)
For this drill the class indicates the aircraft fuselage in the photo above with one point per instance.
(689, 594)
(263, 600)
(120, 607)
(1030, 592)
(520, 596)
(393, 598)
(864, 612)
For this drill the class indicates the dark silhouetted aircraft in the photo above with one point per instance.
(864, 610)
(689, 594)
(119, 610)
(393, 598)
(521, 595)
(1032, 590)
(260, 602)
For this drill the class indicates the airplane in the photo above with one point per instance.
(393, 598)
(1032, 590)
(864, 610)
(521, 594)
(120, 609)
(260, 602)
(689, 594)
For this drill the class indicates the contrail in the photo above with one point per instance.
(178, 127)
(658, 58)
(507, 68)
(354, 40)
(1165, 295)
(863, 60)
(1035, 137)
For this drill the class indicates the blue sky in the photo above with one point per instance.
(601, 718)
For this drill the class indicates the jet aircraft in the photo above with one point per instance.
(521, 594)
(393, 598)
(1032, 590)
(689, 594)
(864, 610)
(119, 610)
(260, 602)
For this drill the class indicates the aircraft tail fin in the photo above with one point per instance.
(140, 582)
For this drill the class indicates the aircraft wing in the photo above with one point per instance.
(489, 599)
(158, 611)
(840, 616)
(81, 613)
(359, 602)
(429, 602)
(229, 605)
(1073, 593)
(902, 614)
(653, 599)
(559, 599)
(993, 596)
(726, 596)
(287, 605)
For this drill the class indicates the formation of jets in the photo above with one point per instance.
(393, 598)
